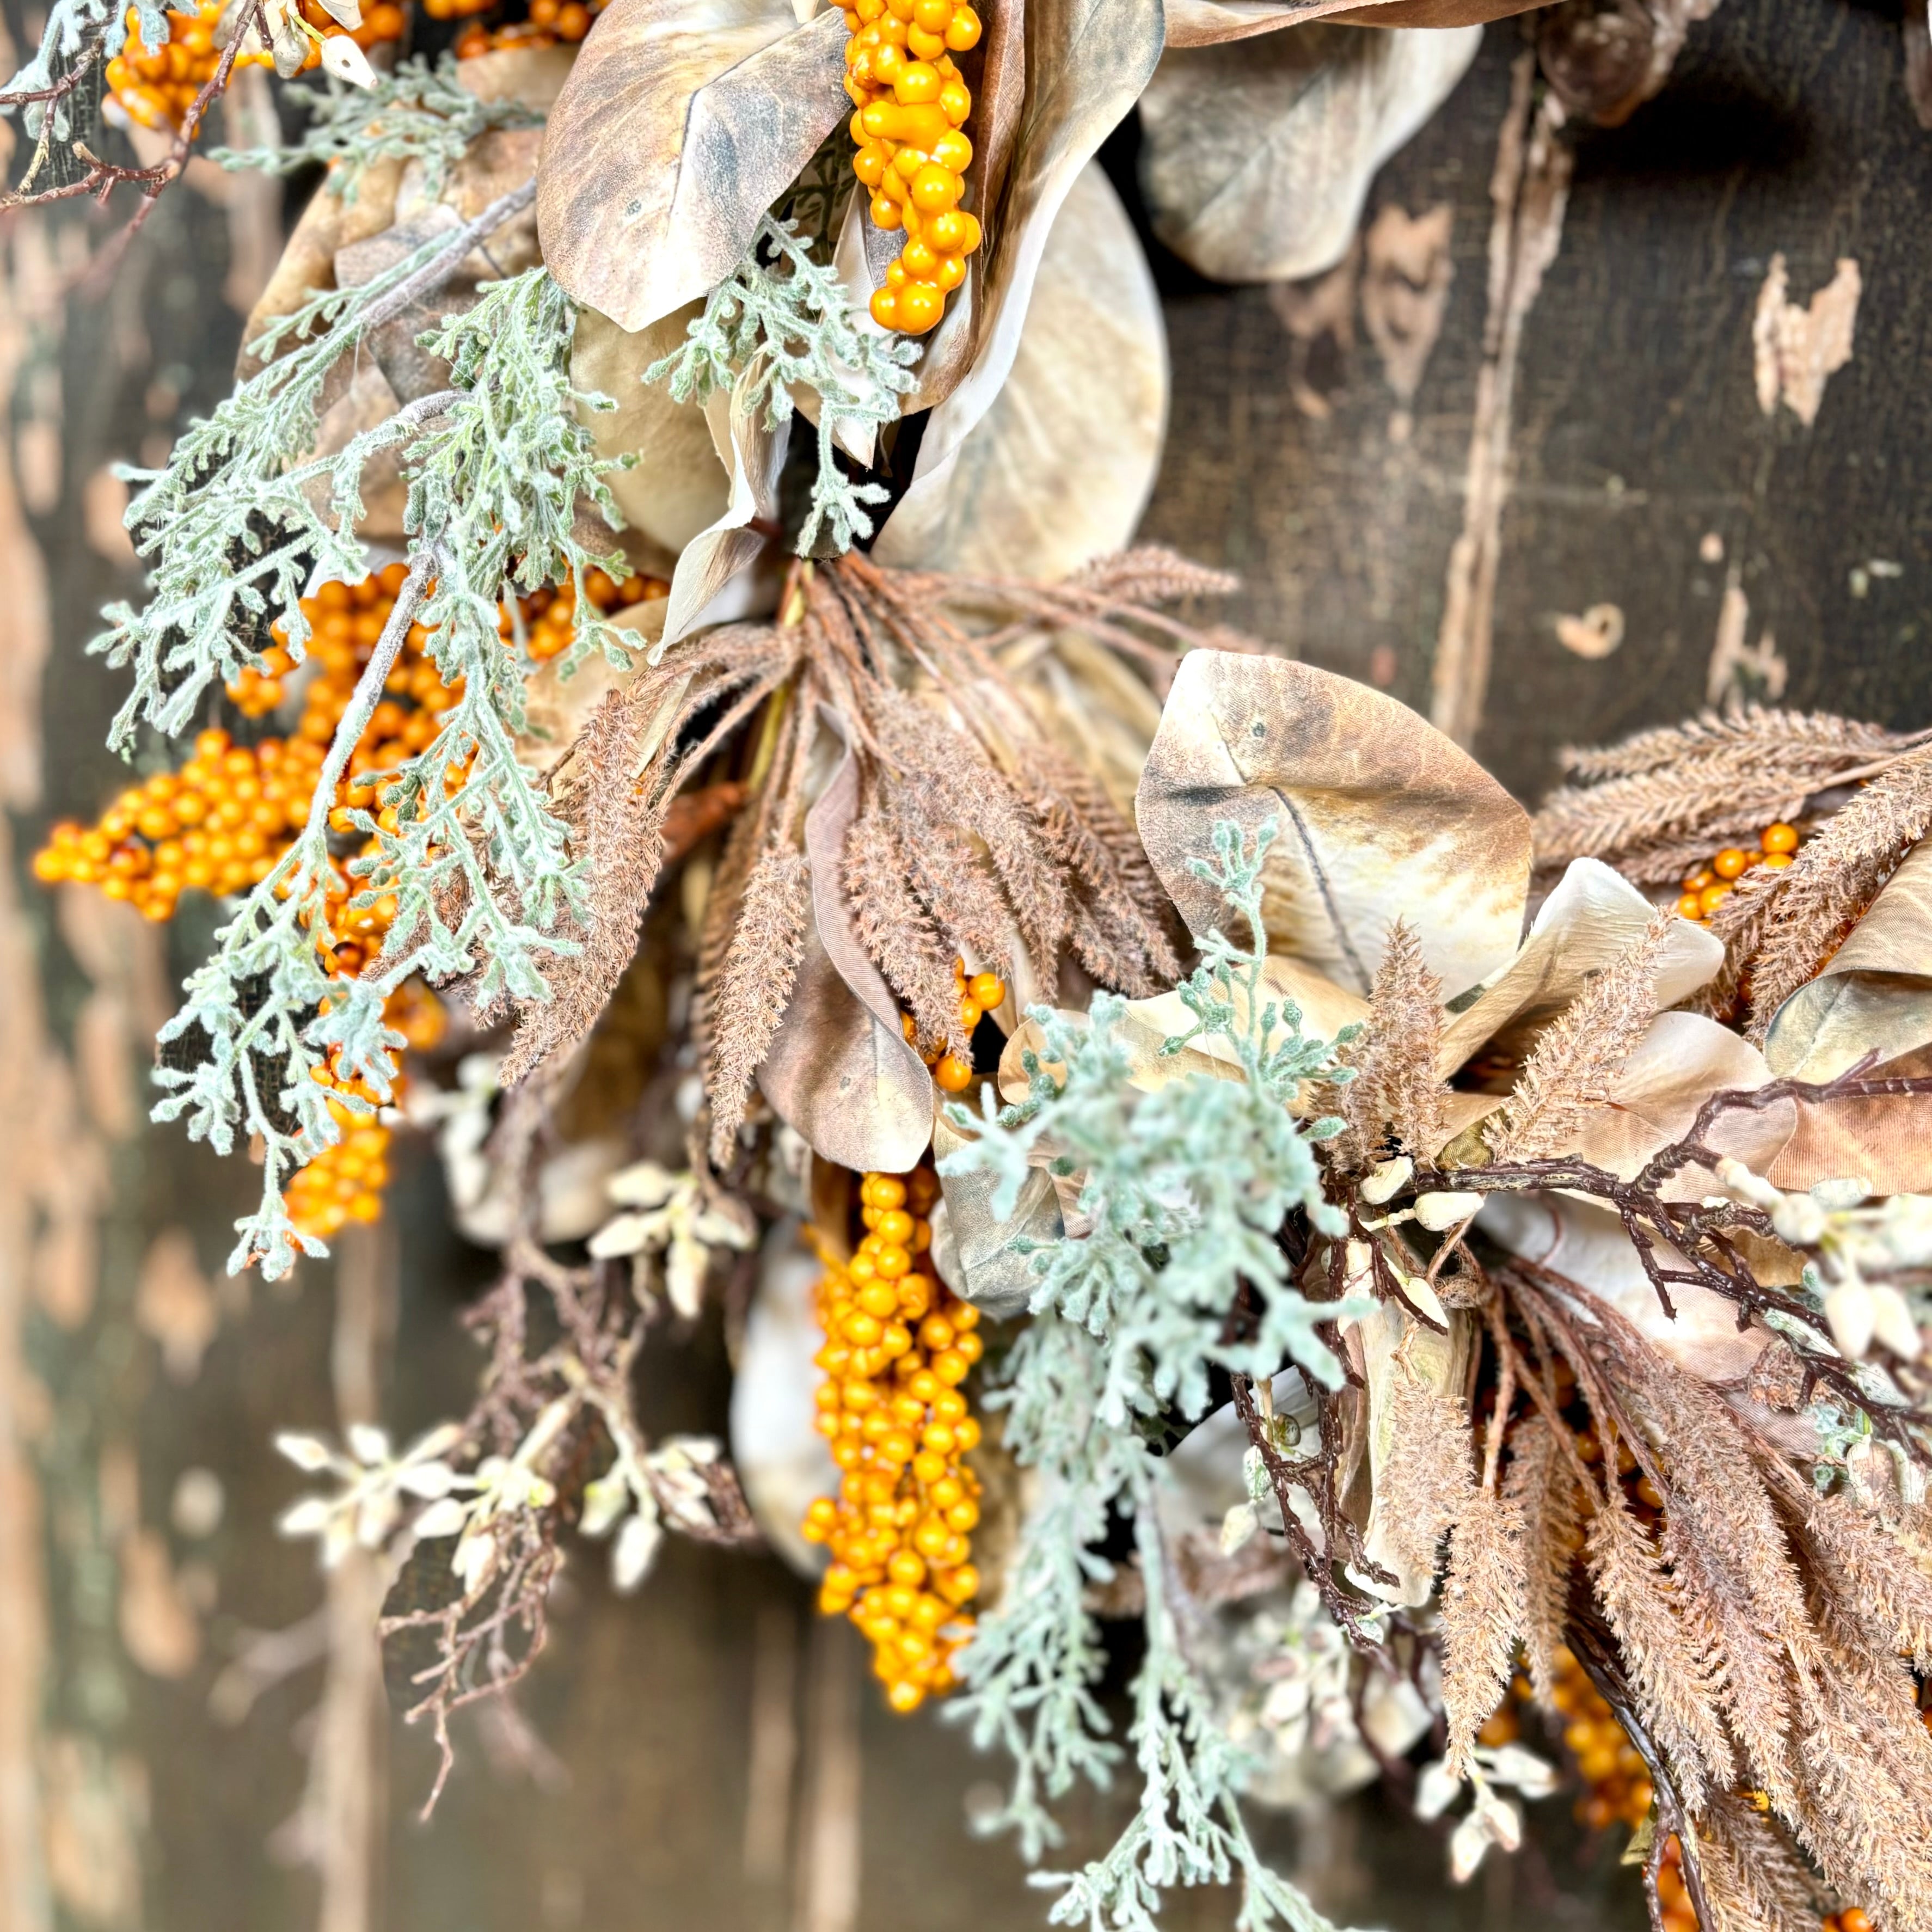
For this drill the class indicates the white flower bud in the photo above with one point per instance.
(1439, 1212)
(1387, 1180)
(343, 60)
(1892, 1324)
(1848, 1308)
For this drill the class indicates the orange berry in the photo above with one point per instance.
(1732, 862)
(1778, 838)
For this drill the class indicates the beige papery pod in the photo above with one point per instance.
(1257, 155)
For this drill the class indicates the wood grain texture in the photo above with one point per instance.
(1637, 437)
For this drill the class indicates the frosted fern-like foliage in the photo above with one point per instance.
(1184, 1191)
(235, 531)
(781, 318)
(419, 113)
(478, 867)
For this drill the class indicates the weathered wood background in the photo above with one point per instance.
(1425, 483)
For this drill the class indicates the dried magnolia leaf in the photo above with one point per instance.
(1587, 1244)
(1378, 816)
(328, 225)
(980, 1257)
(1085, 69)
(1883, 1143)
(1059, 469)
(680, 486)
(1203, 23)
(1592, 919)
(534, 75)
(840, 1071)
(1257, 159)
(1682, 1060)
(754, 453)
(681, 123)
(1875, 996)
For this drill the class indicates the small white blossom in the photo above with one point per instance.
(367, 1507)
(676, 1216)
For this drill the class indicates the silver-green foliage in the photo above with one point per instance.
(478, 866)
(234, 528)
(781, 318)
(1183, 1191)
(418, 113)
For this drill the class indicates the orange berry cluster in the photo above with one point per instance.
(157, 87)
(549, 21)
(912, 104)
(898, 1346)
(980, 994)
(344, 1182)
(1706, 887)
(550, 615)
(218, 824)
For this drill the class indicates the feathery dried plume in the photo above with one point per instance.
(1754, 1880)
(1542, 1483)
(1578, 1055)
(755, 986)
(1782, 926)
(1151, 574)
(1869, 1566)
(974, 837)
(1483, 1612)
(1429, 1477)
(898, 932)
(1646, 803)
(1668, 1670)
(1396, 1101)
(621, 835)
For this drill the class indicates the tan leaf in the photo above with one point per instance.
(979, 1256)
(1883, 1143)
(1875, 995)
(1587, 1244)
(1682, 1060)
(753, 454)
(1379, 816)
(1085, 68)
(681, 122)
(1201, 23)
(1257, 160)
(1059, 469)
(839, 1070)
(680, 487)
(1591, 920)
(535, 76)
